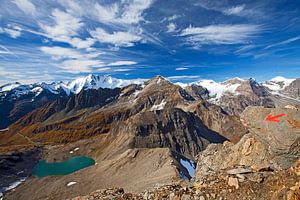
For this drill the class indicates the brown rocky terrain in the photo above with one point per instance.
(251, 93)
(263, 165)
(142, 131)
(269, 144)
(283, 185)
(147, 115)
(248, 93)
(138, 134)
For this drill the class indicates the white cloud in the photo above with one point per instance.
(182, 78)
(234, 10)
(65, 26)
(65, 29)
(81, 44)
(181, 68)
(125, 12)
(133, 11)
(173, 17)
(108, 13)
(220, 34)
(81, 65)
(61, 52)
(72, 60)
(171, 27)
(119, 38)
(122, 70)
(293, 39)
(119, 16)
(14, 33)
(26, 6)
(122, 63)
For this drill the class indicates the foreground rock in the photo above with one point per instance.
(269, 145)
(275, 186)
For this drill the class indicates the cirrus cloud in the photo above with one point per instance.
(122, 63)
(26, 6)
(220, 34)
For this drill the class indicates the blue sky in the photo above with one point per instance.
(184, 40)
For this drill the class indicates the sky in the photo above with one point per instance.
(184, 40)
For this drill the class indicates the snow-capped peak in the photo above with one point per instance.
(93, 82)
(9, 86)
(281, 79)
(278, 83)
(72, 87)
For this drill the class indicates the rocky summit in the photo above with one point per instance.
(152, 139)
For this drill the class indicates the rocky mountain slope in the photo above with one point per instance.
(233, 95)
(264, 164)
(143, 134)
(125, 125)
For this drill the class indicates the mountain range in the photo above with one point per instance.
(141, 132)
(17, 99)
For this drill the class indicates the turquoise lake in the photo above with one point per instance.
(69, 166)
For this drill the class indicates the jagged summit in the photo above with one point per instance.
(157, 80)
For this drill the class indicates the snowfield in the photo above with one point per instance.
(278, 83)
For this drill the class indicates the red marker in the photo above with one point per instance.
(274, 118)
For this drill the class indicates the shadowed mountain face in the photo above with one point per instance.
(13, 106)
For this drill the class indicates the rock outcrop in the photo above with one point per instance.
(269, 144)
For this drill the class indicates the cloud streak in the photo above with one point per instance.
(221, 34)
(122, 63)
(284, 42)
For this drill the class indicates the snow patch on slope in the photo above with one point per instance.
(9, 87)
(13, 185)
(189, 165)
(159, 106)
(71, 183)
(216, 90)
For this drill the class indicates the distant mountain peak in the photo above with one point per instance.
(91, 81)
(278, 83)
